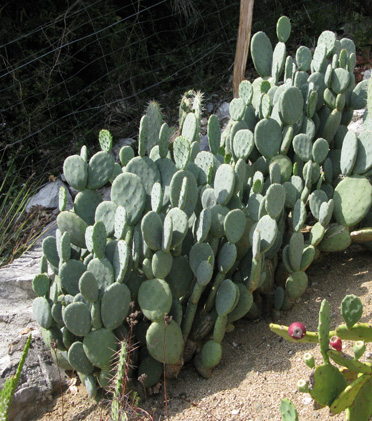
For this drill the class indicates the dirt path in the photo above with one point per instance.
(258, 369)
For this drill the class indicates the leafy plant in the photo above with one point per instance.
(18, 229)
(10, 385)
(347, 386)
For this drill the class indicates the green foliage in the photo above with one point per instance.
(344, 386)
(10, 385)
(193, 238)
(18, 229)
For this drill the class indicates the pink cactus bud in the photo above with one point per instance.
(336, 343)
(296, 330)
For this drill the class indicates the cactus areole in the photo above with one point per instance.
(297, 330)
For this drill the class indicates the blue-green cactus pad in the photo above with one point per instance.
(227, 297)
(268, 137)
(88, 286)
(204, 161)
(211, 354)
(219, 213)
(243, 143)
(268, 230)
(202, 225)
(191, 193)
(224, 184)
(302, 146)
(76, 172)
(115, 305)
(296, 284)
(85, 205)
(234, 225)
(78, 359)
(179, 224)
(181, 152)
(41, 284)
(291, 105)
(283, 28)
(275, 200)
(152, 230)
(316, 198)
(336, 238)
(165, 342)
(128, 191)
(77, 318)
(198, 253)
(155, 299)
(352, 199)
(74, 225)
(147, 171)
(100, 347)
(364, 156)
(103, 271)
(69, 274)
(105, 212)
(42, 312)
(320, 150)
(303, 58)
(246, 91)
(100, 168)
(262, 53)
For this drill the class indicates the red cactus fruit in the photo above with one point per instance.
(336, 343)
(296, 330)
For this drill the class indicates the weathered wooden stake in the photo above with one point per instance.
(242, 45)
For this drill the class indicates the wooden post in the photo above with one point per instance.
(242, 45)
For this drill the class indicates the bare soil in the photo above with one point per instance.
(258, 368)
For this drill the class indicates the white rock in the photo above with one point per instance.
(47, 197)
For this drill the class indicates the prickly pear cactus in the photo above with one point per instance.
(191, 241)
(344, 387)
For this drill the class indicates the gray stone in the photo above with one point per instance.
(40, 376)
(119, 144)
(223, 111)
(47, 197)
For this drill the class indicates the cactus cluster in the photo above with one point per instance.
(346, 386)
(191, 240)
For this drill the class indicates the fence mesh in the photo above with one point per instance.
(87, 65)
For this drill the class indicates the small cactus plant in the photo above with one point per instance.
(346, 385)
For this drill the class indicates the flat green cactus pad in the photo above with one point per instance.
(268, 137)
(364, 154)
(115, 305)
(164, 341)
(351, 310)
(100, 168)
(211, 354)
(128, 191)
(352, 199)
(74, 225)
(76, 172)
(303, 58)
(336, 238)
(42, 312)
(296, 284)
(78, 359)
(100, 346)
(69, 274)
(290, 105)
(155, 299)
(77, 318)
(227, 297)
(327, 384)
(262, 53)
(283, 28)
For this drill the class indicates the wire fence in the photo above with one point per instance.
(95, 64)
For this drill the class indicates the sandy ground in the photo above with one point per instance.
(258, 368)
